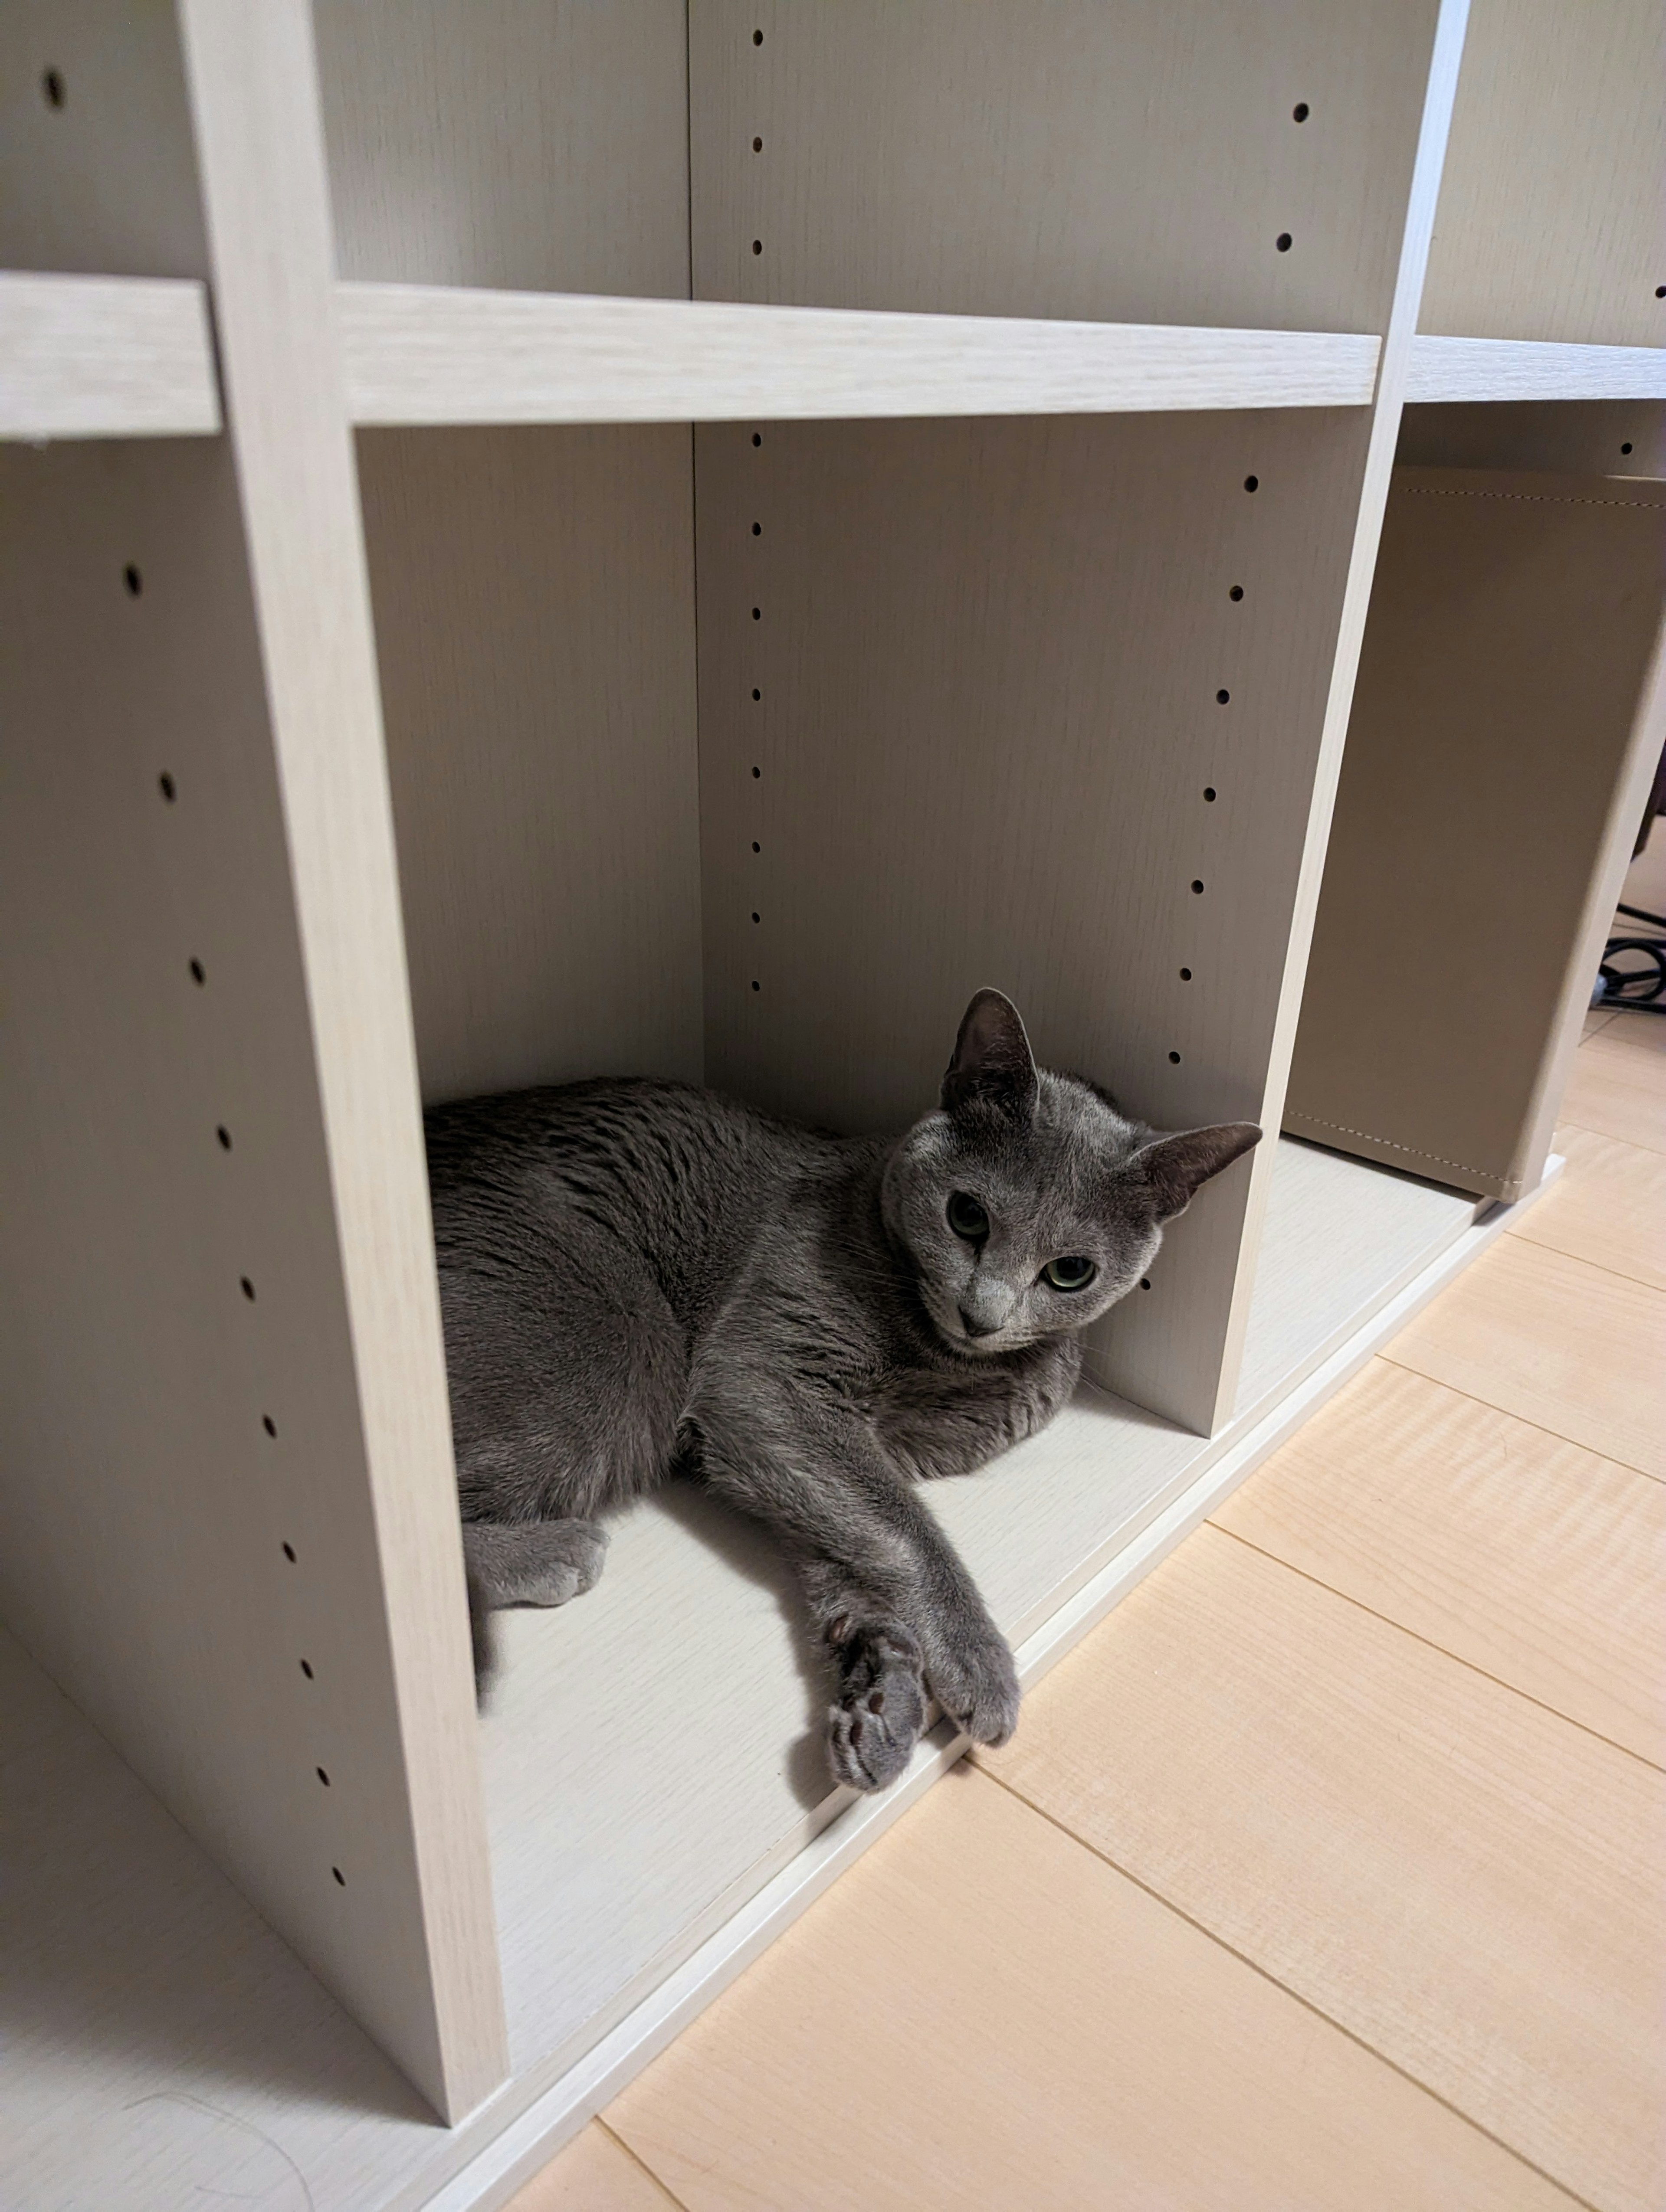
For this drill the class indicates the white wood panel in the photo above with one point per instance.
(987, 659)
(1553, 209)
(105, 357)
(181, 1400)
(1097, 158)
(432, 1996)
(1576, 437)
(536, 143)
(621, 1790)
(425, 354)
(1447, 368)
(534, 602)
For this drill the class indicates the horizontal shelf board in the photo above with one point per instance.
(430, 355)
(1445, 369)
(652, 1757)
(105, 357)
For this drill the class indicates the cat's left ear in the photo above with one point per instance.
(1176, 1168)
(993, 1069)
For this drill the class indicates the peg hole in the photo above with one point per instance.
(197, 973)
(1209, 794)
(52, 86)
(1144, 1282)
(1174, 1060)
(1221, 697)
(1185, 975)
(322, 1775)
(757, 847)
(757, 771)
(757, 245)
(1237, 592)
(307, 1668)
(134, 581)
(164, 783)
(758, 695)
(1300, 112)
(1197, 886)
(289, 1553)
(758, 437)
(757, 986)
(1283, 242)
(224, 1135)
(339, 1875)
(1660, 291)
(269, 1425)
(757, 614)
(758, 38)
(757, 529)
(1252, 484)
(1626, 447)
(757, 917)
(757, 145)
(248, 1288)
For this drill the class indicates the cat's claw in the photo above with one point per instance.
(976, 1684)
(872, 1729)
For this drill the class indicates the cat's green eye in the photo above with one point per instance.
(967, 1218)
(1071, 1274)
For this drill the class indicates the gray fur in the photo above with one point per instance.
(639, 1279)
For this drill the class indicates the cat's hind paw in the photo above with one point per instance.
(872, 1729)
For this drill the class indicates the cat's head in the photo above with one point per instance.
(1027, 1203)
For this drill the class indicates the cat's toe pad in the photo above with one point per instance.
(872, 1729)
(976, 1684)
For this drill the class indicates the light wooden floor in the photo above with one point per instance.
(1329, 1872)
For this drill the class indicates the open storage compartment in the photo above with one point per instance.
(593, 645)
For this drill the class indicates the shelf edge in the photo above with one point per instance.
(105, 357)
(423, 355)
(1449, 368)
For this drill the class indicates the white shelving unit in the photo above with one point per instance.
(545, 540)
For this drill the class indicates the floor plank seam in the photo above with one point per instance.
(1572, 1121)
(637, 2161)
(1524, 1236)
(1429, 1644)
(975, 1765)
(1580, 1443)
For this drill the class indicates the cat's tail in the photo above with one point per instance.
(483, 1638)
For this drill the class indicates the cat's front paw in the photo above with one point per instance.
(974, 1680)
(872, 1729)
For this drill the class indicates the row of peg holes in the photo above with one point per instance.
(1223, 697)
(133, 581)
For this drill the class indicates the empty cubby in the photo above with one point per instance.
(542, 541)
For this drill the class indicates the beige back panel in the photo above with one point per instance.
(1104, 159)
(1489, 797)
(534, 600)
(1552, 222)
(539, 145)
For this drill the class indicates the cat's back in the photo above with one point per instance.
(682, 1175)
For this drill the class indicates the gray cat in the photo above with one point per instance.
(640, 1277)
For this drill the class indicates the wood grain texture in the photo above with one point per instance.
(1462, 1880)
(424, 354)
(1610, 1206)
(1615, 1087)
(535, 604)
(1087, 2048)
(92, 357)
(1506, 611)
(596, 2174)
(987, 723)
(1531, 1559)
(1320, 1271)
(537, 144)
(1553, 209)
(1444, 368)
(1559, 1342)
(1118, 163)
(428, 1987)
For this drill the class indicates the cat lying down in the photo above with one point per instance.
(639, 1279)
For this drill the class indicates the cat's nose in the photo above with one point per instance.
(976, 1327)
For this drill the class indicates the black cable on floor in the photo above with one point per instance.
(1642, 990)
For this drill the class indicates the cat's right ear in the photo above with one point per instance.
(993, 1071)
